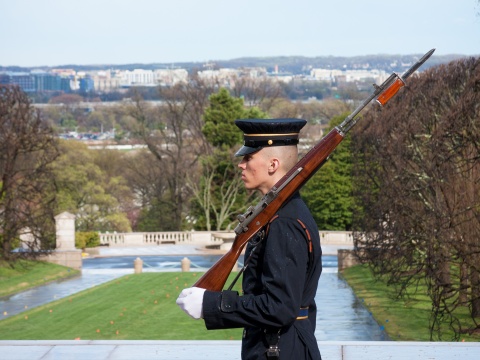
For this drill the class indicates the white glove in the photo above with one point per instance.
(190, 300)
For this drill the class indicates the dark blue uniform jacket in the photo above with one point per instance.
(281, 278)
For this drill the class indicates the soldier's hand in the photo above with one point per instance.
(190, 301)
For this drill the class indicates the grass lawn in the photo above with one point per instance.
(142, 307)
(134, 307)
(28, 274)
(404, 319)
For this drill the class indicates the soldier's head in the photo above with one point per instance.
(269, 150)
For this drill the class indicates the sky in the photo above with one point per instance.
(88, 32)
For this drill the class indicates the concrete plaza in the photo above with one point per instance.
(221, 350)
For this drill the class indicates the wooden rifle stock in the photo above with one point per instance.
(257, 217)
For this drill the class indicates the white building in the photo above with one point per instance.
(325, 74)
(107, 80)
(332, 75)
(225, 77)
(169, 77)
(138, 77)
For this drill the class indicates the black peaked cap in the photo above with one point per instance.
(260, 133)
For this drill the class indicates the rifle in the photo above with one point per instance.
(255, 218)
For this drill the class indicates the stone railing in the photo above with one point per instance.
(336, 237)
(156, 238)
(174, 237)
(208, 238)
(113, 239)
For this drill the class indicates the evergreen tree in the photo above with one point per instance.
(220, 116)
(219, 195)
(328, 193)
(219, 128)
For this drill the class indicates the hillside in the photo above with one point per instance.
(285, 64)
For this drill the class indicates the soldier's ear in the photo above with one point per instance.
(274, 165)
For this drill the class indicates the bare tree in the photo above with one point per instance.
(27, 147)
(146, 179)
(220, 193)
(172, 133)
(419, 179)
(261, 92)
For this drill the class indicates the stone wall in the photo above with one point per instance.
(346, 258)
(72, 258)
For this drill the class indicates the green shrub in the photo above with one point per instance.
(86, 239)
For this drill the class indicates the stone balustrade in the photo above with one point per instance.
(205, 238)
(114, 239)
(173, 237)
(137, 239)
(336, 237)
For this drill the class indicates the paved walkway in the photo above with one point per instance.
(221, 350)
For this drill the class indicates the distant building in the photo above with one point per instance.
(36, 81)
(106, 80)
(223, 77)
(49, 82)
(340, 76)
(138, 77)
(327, 75)
(253, 72)
(4, 78)
(170, 77)
(68, 80)
(86, 84)
(23, 79)
(365, 75)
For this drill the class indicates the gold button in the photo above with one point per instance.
(270, 142)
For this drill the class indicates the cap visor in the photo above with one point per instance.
(245, 150)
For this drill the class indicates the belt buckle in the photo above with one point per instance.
(273, 352)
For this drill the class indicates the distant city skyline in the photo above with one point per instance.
(55, 32)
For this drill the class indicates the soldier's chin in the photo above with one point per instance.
(247, 186)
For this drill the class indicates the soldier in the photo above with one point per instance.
(277, 308)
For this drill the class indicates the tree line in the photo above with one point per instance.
(184, 179)
(289, 64)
